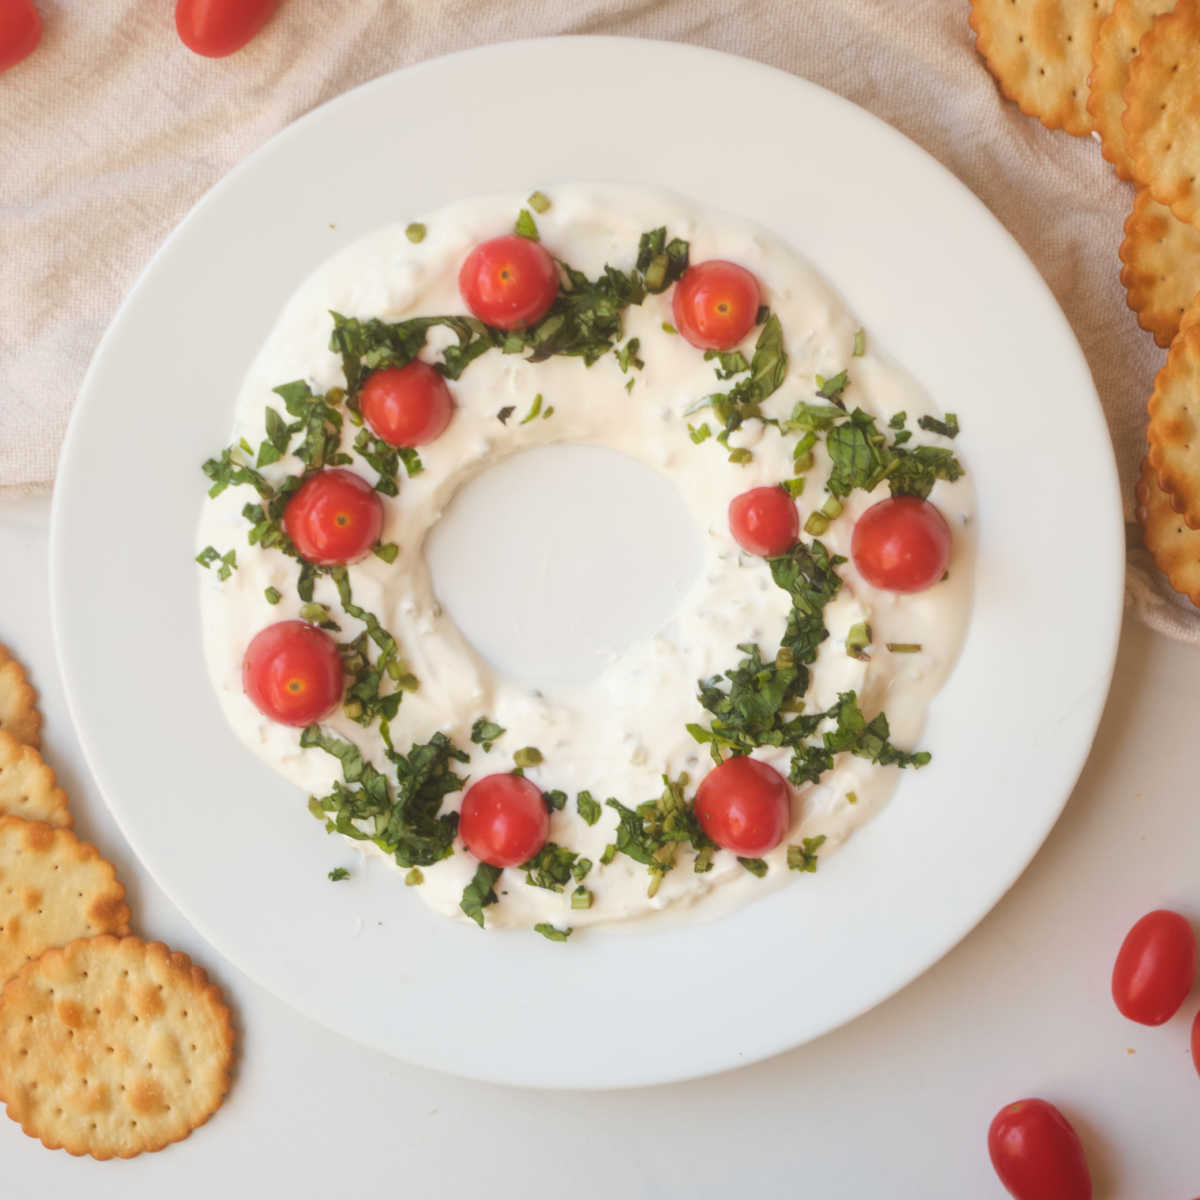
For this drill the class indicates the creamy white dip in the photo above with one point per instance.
(617, 734)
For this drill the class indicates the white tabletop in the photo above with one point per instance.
(894, 1105)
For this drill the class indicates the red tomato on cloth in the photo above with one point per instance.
(1155, 968)
(1037, 1154)
(20, 31)
(216, 28)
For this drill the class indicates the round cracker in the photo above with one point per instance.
(1175, 547)
(1116, 47)
(1161, 272)
(113, 1047)
(1040, 52)
(1162, 111)
(53, 889)
(1173, 430)
(28, 787)
(18, 702)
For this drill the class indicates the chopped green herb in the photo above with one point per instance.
(414, 877)
(793, 487)
(208, 556)
(741, 456)
(653, 832)
(629, 384)
(550, 868)
(755, 866)
(506, 412)
(608, 854)
(897, 420)
(804, 857)
(484, 732)
(699, 434)
(731, 362)
(581, 868)
(228, 561)
(550, 933)
(581, 898)
(833, 387)
(273, 595)
(947, 427)
(480, 892)
(588, 807)
(415, 231)
(816, 524)
(338, 874)
(527, 756)
(858, 638)
(387, 551)
(851, 797)
(533, 412)
(549, 412)
(768, 367)
(539, 202)
(525, 225)
(860, 344)
(667, 327)
(556, 800)
(904, 647)
(627, 355)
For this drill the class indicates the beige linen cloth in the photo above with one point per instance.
(112, 130)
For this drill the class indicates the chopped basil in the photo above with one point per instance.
(525, 225)
(804, 856)
(506, 412)
(556, 800)
(480, 892)
(338, 874)
(527, 756)
(767, 367)
(659, 261)
(588, 807)
(387, 551)
(534, 410)
(228, 561)
(608, 854)
(484, 732)
(627, 355)
(539, 202)
(833, 387)
(700, 433)
(548, 412)
(741, 456)
(755, 866)
(550, 868)
(731, 362)
(415, 232)
(898, 420)
(273, 595)
(550, 933)
(652, 833)
(402, 818)
(581, 868)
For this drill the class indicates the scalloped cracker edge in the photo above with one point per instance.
(28, 787)
(1161, 267)
(18, 702)
(1174, 547)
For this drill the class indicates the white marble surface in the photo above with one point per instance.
(894, 1105)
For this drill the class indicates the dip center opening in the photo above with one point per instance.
(554, 560)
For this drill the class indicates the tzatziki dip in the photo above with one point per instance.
(728, 751)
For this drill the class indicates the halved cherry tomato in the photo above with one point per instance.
(292, 673)
(764, 521)
(504, 820)
(901, 544)
(407, 406)
(1155, 967)
(20, 31)
(1037, 1154)
(1196, 1043)
(333, 517)
(744, 806)
(715, 304)
(215, 28)
(509, 282)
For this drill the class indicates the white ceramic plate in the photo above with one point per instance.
(930, 273)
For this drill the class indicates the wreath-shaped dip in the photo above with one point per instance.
(757, 729)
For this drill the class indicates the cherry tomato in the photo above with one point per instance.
(715, 304)
(292, 673)
(333, 517)
(20, 31)
(407, 406)
(1155, 968)
(764, 521)
(1037, 1154)
(1196, 1043)
(509, 282)
(215, 28)
(744, 806)
(901, 544)
(504, 820)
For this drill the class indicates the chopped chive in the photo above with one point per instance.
(741, 456)
(851, 797)
(539, 202)
(610, 852)
(860, 344)
(794, 487)
(904, 647)
(803, 461)
(527, 756)
(338, 874)
(415, 232)
(581, 898)
(700, 433)
(858, 638)
(273, 595)
(536, 408)
(549, 412)
(804, 857)
(816, 524)
(550, 933)
(832, 508)
(414, 877)
(668, 327)
(353, 709)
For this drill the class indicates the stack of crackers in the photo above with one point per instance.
(109, 1045)
(1128, 72)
